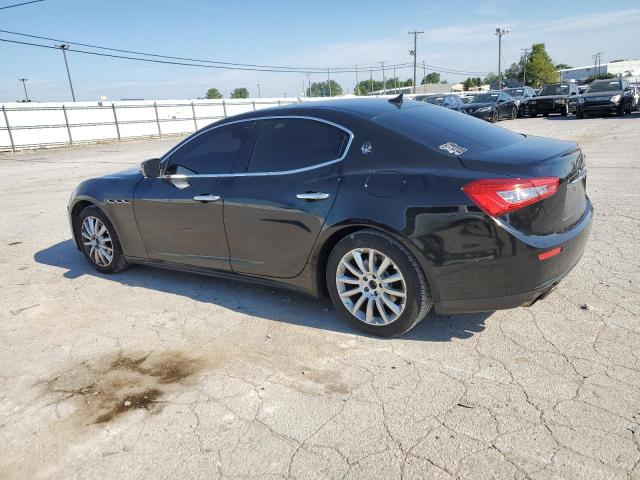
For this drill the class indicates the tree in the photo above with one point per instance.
(321, 89)
(563, 66)
(470, 83)
(514, 71)
(490, 78)
(240, 92)
(600, 76)
(617, 60)
(213, 93)
(433, 77)
(540, 68)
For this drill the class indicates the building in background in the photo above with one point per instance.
(626, 68)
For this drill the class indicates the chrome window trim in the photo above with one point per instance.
(168, 155)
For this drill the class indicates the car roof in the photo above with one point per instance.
(364, 107)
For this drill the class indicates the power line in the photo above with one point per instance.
(20, 4)
(187, 59)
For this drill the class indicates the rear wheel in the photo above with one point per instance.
(376, 284)
(514, 113)
(98, 241)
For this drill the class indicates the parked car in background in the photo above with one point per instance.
(492, 106)
(452, 102)
(607, 96)
(389, 208)
(521, 95)
(636, 97)
(559, 98)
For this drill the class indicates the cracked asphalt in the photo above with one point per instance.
(152, 374)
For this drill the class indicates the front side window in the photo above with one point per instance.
(211, 152)
(293, 143)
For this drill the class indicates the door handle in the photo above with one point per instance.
(312, 196)
(206, 198)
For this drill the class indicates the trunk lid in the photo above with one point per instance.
(535, 157)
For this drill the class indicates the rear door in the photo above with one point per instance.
(274, 212)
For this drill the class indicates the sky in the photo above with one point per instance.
(458, 35)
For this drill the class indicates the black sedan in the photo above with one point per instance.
(559, 98)
(450, 101)
(521, 96)
(388, 207)
(492, 106)
(607, 96)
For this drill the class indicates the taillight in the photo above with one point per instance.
(497, 196)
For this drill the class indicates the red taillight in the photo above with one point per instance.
(497, 196)
(549, 253)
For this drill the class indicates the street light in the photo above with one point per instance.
(24, 85)
(499, 33)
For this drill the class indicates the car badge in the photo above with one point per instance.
(452, 148)
(366, 148)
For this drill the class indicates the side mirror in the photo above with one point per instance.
(573, 93)
(502, 100)
(150, 168)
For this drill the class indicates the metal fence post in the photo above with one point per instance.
(115, 118)
(193, 110)
(66, 122)
(254, 104)
(279, 102)
(6, 121)
(155, 107)
(224, 109)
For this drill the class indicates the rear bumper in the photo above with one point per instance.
(515, 278)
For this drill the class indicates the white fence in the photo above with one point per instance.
(34, 125)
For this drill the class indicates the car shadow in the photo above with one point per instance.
(260, 301)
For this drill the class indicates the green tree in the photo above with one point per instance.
(470, 83)
(540, 68)
(601, 76)
(240, 92)
(514, 71)
(563, 66)
(490, 78)
(213, 93)
(617, 60)
(321, 89)
(433, 77)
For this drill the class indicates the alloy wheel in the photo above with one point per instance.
(97, 241)
(371, 286)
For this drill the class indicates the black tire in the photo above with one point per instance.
(545, 114)
(494, 117)
(533, 115)
(579, 115)
(514, 113)
(418, 298)
(118, 262)
(620, 111)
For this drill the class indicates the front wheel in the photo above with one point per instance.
(98, 241)
(514, 113)
(376, 284)
(494, 117)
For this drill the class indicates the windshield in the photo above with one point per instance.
(435, 100)
(434, 127)
(554, 90)
(604, 86)
(485, 98)
(515, 92)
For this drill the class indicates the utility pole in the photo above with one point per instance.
(424, 71)
(329, 81)
(309, 81)
(357, 92)
(370, 82)
(24, 85)
(526, 52)
(595, 64)
(414, 52)
(259, 96)
(499, 33)
(395, 79)
(64, 47)
(599, 59)
(384, 79)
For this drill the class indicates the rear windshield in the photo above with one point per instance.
(433, 127)
(554, 90)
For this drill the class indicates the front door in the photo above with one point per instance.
(180, 215)
(274, 213)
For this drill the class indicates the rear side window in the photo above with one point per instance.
(433, 127)
(293, 143)
(211, 152)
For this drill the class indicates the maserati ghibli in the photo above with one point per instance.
(388, 207)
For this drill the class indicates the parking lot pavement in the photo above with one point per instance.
(156, 374)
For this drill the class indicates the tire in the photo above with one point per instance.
(401, 264)
(514, 113)
(533, 115)
(545, 114)
(579, 115)
(96, 248)
(494, 117)
(620, 111)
